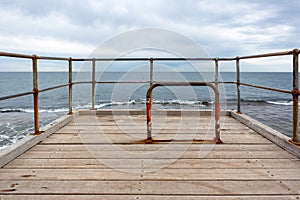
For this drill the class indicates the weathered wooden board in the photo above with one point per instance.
(160, 175)
(153, 147)
(120, 130)
(151, 187)
(146, 197)
(103, 138)
(117, 154)
(37, 163)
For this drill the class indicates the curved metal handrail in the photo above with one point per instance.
(217, 138)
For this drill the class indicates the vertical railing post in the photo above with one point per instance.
(93, 83)
(151, 71)
(35, 95)
(295, 138)
(216, 72)
(238, 81)
(151, 78)
(70, 87)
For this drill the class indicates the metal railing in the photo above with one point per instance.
(35, 92)
(217, 138)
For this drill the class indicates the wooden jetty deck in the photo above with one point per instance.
(104, 157)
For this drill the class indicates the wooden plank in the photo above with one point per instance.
(159, 126)
(119, 130)
(151, 187)
(34, 163)
(128, 138)
(154, 173)
(147, 197)
(117, 154)
(153, 147)
(179, 122)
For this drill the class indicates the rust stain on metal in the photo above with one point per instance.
(162, 141)
(38, 133)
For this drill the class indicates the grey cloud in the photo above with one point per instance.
(224, 28)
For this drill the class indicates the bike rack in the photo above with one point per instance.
(217, 138)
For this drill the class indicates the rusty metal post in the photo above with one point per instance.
(93, 83)
(217, 117)
(151, 71)
(216, 72)
(151, 78)
(35, 96)
(70, 87)
(149, 122)
(149, 105)
(238, 85)
(217, 104)
(295, 138)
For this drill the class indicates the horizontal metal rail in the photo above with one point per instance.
(16, 55)
(284, 53)
(29, 93)
(267, 88)
(52, 58)
(139, 82)
(15, 95)
(112, 82)
(53, 88)
(258, 87)
(217, 138)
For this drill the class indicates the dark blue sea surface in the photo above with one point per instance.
(16, 115)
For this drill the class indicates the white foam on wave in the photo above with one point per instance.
(283, 103)
(29, 110)
(104, 104)
(9, 135)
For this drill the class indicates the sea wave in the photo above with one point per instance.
(284, 103)
(105, 104)
(274, 102)
(29, 110)
(183, 102)
(10, 133)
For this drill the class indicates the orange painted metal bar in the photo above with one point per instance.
(217, 106)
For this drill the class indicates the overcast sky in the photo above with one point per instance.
(226, 28)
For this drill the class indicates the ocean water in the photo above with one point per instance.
(16, 115)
